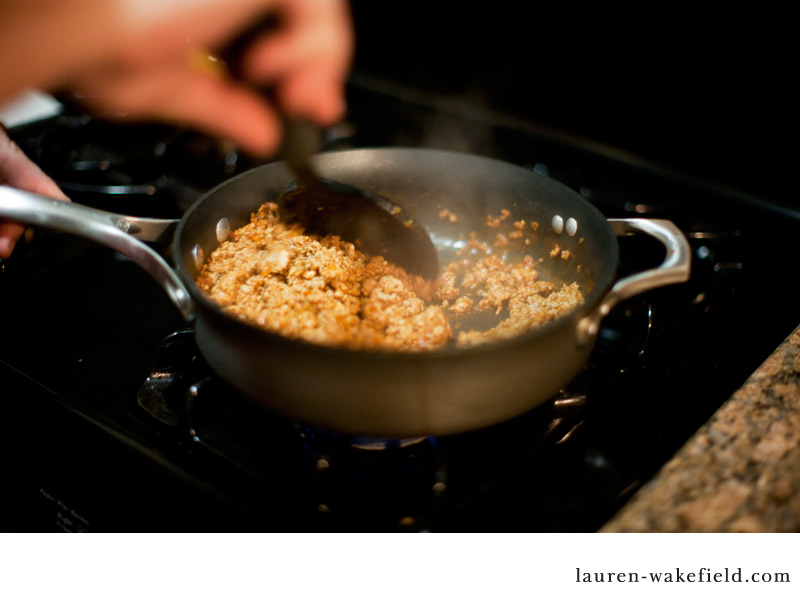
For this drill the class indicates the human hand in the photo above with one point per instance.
(305, 62)
(17, 170)
(137, 60)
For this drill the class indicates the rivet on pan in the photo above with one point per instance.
(223, 229)
(198, 255)
(558, 224)
(572, 227)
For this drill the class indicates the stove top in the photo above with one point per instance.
(118, 425)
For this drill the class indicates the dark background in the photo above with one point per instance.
(705, 95)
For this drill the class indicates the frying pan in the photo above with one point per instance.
(382, 393)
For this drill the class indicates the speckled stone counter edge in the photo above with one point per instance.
(741, 471)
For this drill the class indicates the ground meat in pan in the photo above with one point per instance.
(323, 290)
(318, 289)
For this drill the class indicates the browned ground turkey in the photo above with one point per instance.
(325, 291)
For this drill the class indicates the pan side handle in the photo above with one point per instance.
(112, 230)
(675, 268)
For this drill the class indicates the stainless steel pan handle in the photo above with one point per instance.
(675, 268)
(121, 233)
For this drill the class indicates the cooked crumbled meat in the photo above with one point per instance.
(446, 288)
(448, 215)
(320, 290)
(473, 246)
(496, 282)
(324, 290)
(461, 306)
(527, 311)
(494, 221)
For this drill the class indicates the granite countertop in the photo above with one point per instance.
(741, 471)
